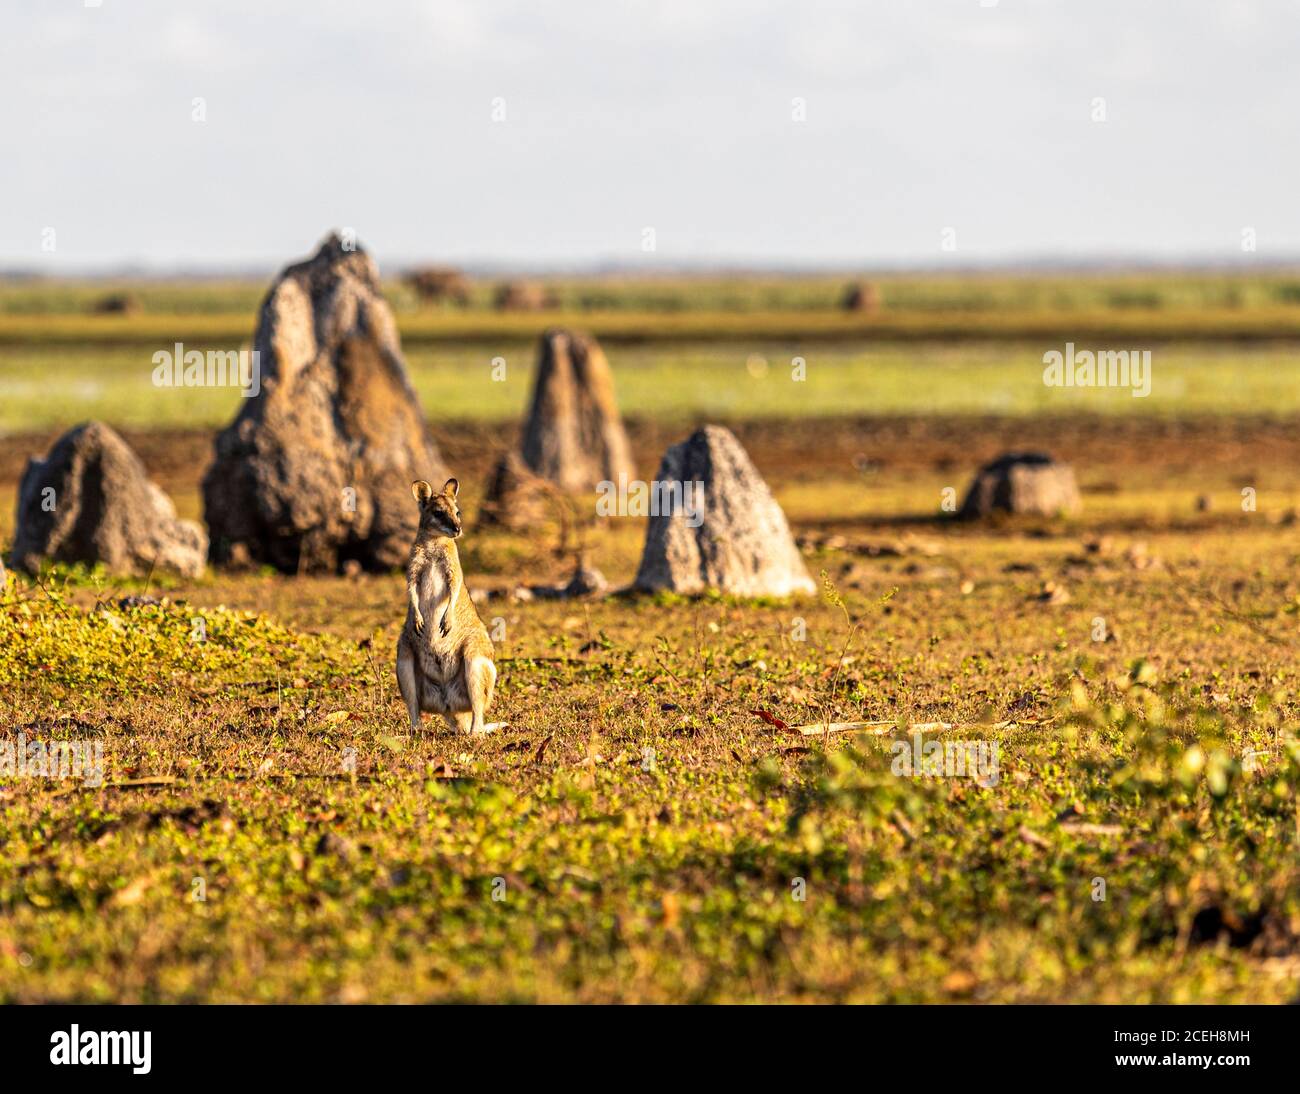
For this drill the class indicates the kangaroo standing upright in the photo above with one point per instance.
(444, 656)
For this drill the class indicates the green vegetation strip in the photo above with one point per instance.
(616, 328)
(687, 382)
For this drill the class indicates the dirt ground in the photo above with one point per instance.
(646, 823)
(1103, 450)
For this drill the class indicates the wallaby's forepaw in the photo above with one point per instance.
(443, 625)
(419, 623)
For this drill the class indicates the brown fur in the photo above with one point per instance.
(444, 655)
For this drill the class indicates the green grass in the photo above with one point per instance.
(47, 388)
(1138, 327)
(637, 834)
(269, 830)
(680, 293)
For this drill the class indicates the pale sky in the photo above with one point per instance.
(678, 116)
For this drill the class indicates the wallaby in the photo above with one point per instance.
(444, 656)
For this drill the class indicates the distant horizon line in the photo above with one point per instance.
(1099, 263)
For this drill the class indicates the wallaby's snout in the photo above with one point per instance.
(439, 513)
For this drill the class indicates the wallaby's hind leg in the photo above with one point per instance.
(482, 678)
(408, 686)
(460, 722)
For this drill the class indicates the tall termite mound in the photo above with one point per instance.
(316, 468)
(715, 525)
(573, 437)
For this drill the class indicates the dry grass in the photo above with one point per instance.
(646, 831)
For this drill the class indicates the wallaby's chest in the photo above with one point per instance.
(433, 586)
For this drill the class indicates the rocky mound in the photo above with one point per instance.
(516, 498)
(574, 436)
(715, 525)
(522, 296)
(860, 296)
(436, 284)
(316, 469)
(1022, 482)
(91, 501)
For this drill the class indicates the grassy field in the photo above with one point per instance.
(653, 825)
(45, 387)
(687, 348)
(668, 293)
(268, 829)
(678, 309)
(1123, 328)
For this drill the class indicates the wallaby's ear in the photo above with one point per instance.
(421, 491)
(452, 487)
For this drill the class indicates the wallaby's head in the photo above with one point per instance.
(439, 513)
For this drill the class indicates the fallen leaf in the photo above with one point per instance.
(541, 748)
(771, 719)
(1033, 838)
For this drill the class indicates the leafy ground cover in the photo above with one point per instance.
(266, 828)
